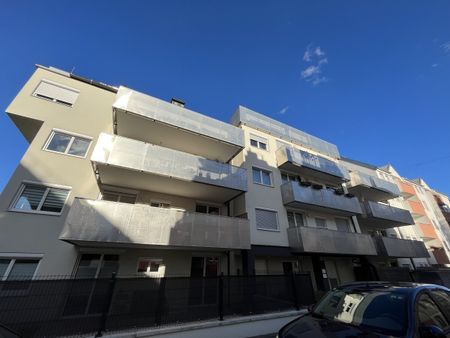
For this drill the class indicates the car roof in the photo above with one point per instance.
(403, 287)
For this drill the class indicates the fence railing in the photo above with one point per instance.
(71, 307)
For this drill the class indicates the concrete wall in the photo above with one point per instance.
(91, 114)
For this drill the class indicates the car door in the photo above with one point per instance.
(428, 313)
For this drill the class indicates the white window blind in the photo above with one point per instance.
(56, 93)
(266, 219)
(40, 198)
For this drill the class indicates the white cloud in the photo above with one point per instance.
(446, 47)
(313, 73)
(434, 65)
(310, 71)
(284, 110)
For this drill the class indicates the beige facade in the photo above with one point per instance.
(160, 190)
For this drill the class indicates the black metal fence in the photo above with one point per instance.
(68, 307)
(420, 275)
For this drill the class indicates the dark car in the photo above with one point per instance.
(376, 309)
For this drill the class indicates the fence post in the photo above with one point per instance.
(294, 291)
(220, 300)
(160, 304)
(109, 294)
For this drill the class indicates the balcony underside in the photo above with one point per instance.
(124, 177)
(323, 241)
(383, 216)
(400, 248)
(112, 224)
(371, 193)
(378, 223)
(311, 173)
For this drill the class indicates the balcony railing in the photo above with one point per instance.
(307, 163)
(145, 158)
(396, 247)
(382, 216)
(324, 200)
(105, 223)
(324, 241)
(372, 187)
(152, 120)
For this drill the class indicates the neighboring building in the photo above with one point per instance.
(118, 181)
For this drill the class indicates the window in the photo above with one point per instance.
(157, 204)
(147, 265)
(258, 142)
(207, 209)
(321, 222)
(266, 219)
(56, 92)
(68, 144)
(261, 176)
(289, 178)
(342, 224)
(295, 219)
(117, 196)
(97, 265)
(442, 298)
(429, 313)
(40, 198)
(17, 268)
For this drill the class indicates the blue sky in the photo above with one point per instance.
(371, 77)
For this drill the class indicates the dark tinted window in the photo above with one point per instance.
(443, 300)
(373, 310)
(429, 314)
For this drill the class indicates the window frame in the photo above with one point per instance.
(276, 216)
(158, 273)
(100, 262)
(120, 194)
(261, 170)
(208, 205)
(73, 137)
(18, 257)
(325, 222)
(54, 100)
(294, 213)
(159, 202)
(41, 202)
(258, 140)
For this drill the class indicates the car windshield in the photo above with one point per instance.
(383, 311)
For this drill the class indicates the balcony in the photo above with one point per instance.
(372, 187)
(323, 200)
(305, 163)
(113, 224)
(383, 216)
(324, 241)
(134, 164)
(400, 248)
(441, 256)
(143, 117)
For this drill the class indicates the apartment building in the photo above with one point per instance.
(115, 180)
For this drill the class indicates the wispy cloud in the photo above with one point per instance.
(284, 110)
(313, 73)
(434, 65)
(446, 47)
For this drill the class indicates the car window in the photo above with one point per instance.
(382, 311)
(429, 314)
(442, 298)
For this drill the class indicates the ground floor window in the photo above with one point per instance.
(295, 219)
(93, 265)
(150, 266)
(18, 268)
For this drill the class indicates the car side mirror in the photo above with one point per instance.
(431, 331)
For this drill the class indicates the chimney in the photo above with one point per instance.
(177, 102)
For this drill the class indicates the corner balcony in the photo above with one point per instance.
(146, 118)
(383, 216)
(406, 189)
(114, 224)
(134, 164)
(323, 200)
(324, 241)
(372, 187)
(305, 163)
(417, 209)
(400, 248)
